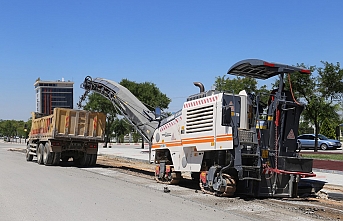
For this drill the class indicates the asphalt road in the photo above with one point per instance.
(29, 191)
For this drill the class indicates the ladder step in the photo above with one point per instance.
(249, 155)
(251, 178)
(245, 142)
(251, 167)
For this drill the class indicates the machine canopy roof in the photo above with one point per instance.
(260, 69)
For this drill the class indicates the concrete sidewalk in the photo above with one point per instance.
(133, 151)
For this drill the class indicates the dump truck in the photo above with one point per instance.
(232, 144)
(65, 134)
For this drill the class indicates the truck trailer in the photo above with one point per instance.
(232, 144)
(65, 134)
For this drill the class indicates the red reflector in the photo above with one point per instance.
(305, 71)
(157, 170)
(268, 64)
(92, 146)
(203, 176)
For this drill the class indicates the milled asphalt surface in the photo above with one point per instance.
(134, 151)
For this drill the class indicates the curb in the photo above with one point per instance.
(327, 171)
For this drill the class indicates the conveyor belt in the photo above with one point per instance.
(125, 102)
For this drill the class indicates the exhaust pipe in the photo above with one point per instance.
(200, 85)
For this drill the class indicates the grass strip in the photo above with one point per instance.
(323, 156)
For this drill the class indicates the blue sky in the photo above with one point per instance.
(169, 43)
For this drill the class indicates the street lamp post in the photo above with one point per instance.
(25, 130)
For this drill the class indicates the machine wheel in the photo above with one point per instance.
(40, 153)
(324, 146)
(47, 155)
(228, 190)
(93, 159)
(171, 178)
(56, 158)
(29, 157)
(84, 160)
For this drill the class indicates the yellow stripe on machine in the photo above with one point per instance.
(261, 124)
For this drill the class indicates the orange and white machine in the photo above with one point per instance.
(231, 143)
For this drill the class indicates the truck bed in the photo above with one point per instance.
(69, 124)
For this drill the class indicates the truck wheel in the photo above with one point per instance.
(29, 157)
(40, 153)
(85, 160)
(56, 159)
(93, 159)
(47, 155)
(65, 159)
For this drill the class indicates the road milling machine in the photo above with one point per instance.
(232, 143)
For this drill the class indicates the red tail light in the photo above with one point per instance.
(55, 143)
(203, 176)
(93, 145)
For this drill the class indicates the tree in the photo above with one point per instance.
(148, 93)
(328, 129)
(238, 84)
(13, 128)
(305, 128)
(121, 128)
(98, 103)
(319, 93)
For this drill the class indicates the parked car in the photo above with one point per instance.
(306, 141)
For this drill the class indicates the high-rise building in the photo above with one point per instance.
(51, 94)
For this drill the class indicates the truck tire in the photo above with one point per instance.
(29, 157)
(40, 153)
(84, 160)
(56, 158)
(47, 155)
(93, 159)
(65, 159)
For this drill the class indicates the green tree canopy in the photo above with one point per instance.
(12, 128)
(319, 92)
(328, 129)
(148, 93)
(97, 103)
(237, 84)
